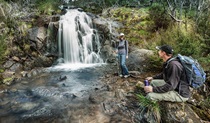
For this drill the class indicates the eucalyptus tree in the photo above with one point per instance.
(183, 10)
(203, 24)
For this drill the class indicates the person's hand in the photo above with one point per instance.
(127, 57)
(149, 78)
(148, 89)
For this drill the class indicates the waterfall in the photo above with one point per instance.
(78, 41)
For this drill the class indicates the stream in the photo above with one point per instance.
(85, 95)
(53, 96)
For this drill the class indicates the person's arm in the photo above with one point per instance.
(158, 76)
(172, 79)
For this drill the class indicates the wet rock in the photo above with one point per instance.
(23, 107)
(121, 94)
(33, 72)
(38, 35)
(92, 99)
(15, 58)
(8, 64)
(109, 107)
(16, 67)
(107, 52)
(61, 78)
(24, 82)
(24, 73)
(69, 96)
(41, 112)
(46, 92)
(8, 74)
(64, 85)
(43, 61)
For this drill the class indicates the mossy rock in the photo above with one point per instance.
(8, 81)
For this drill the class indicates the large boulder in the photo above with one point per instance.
(38, 35)
(137, 59)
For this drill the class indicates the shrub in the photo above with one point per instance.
(159, 16)
(47, 6)
(185, 42)
(2, 47)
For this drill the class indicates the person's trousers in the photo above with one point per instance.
(122, 60)
(172, 96)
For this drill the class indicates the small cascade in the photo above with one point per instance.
(78, 40)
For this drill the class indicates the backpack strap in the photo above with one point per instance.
(125, 43)
(126, 48)
(167, 63)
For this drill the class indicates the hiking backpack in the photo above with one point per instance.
(196, 76)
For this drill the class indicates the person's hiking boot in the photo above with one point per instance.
(120, 75)
(126, 76)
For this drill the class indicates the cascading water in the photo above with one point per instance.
(78, 40)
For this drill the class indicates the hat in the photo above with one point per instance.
(121, 34)
(166, 48)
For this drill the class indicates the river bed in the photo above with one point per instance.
(65, 96)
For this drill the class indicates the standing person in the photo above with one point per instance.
(171, 84)
(122, 50)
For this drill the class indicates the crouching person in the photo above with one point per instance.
(171, 84)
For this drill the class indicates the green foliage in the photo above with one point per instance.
(185, 42)
(205, 62)
(47, 6)
(203, 25)
(136, 23)
(151, 106)
(158, 15)
(189, 44)
(2, 1)
(2, 47)
(11, 24)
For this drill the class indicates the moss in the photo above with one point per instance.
(8, 81)
(34, 54)
(27, 47)
(1, 70)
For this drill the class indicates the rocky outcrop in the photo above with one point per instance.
(138, 59)
(38, 36)
(178, 113)
(28, 45)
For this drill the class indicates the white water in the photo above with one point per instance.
(78, 43)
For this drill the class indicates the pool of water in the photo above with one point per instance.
(56, 95)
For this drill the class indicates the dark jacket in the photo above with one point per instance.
(175, 78)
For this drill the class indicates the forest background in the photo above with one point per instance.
(183, 24)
